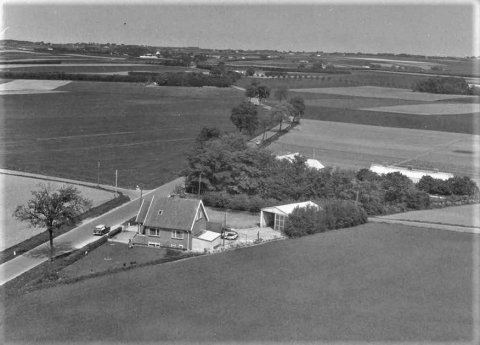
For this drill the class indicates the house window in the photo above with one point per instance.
(199, 215)
(177, 235)
(279, 224)
(154, 232)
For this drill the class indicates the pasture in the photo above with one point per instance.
(372, 283)
(466, 215)
(143, 132)
(16, 190)
(356, 146)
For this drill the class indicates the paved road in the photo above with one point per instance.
(80, 236)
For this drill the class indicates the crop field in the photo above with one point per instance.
(92, 68)
(31, 86)
(382, 92)
(431, 109)
(363, 284)
(16, 190)
(392, 107)
(143, 132)
(466, 215)
(356, 146)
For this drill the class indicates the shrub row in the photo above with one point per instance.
(240, 202)
(164, 79)
(444, 85)
(333, 214)
(453, 186)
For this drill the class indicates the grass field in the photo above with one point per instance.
(143, 132)
(381, 92)
(111, 255)
(467, 215)
(16, 190)
(431, 109)
(357, 146)
(372, 283)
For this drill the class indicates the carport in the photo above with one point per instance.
(275, 216)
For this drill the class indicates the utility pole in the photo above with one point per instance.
(98, 173)
(116, 180)
(199, 183)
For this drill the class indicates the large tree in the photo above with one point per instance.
(257, 91)
(298, 107)
(245, 117)
(51, 209)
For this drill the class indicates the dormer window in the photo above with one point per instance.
(160, 212)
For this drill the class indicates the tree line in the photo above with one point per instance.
(229, 173)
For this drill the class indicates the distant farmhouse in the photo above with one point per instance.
(176, 223)
(413, 174)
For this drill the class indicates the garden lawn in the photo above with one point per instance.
(371, 283)
(111, 255)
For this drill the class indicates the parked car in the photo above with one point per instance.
(101, 229)
(229, 235)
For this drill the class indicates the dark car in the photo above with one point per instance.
(229, 235)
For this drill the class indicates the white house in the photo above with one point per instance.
(311, 163)
(413, 174)
(275, 216)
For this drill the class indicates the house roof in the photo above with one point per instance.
(311, 163)
(413, 174)
(143, 211)
(170, 213)
(288, 208)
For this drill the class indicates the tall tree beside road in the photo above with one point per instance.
(281, 93)
(245, 117)
(51, 209)
(282, 113)
(299, 107)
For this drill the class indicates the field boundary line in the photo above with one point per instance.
(427, 225)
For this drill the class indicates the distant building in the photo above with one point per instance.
(275, 216)
(311, 163)
(413, 174)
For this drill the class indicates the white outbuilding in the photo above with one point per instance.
(311, 163)
(275, 216)
(413, 174)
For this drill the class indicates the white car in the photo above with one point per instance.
(101, 229)
(229, 235)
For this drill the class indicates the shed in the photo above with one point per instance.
(206, 240)
(275, 216)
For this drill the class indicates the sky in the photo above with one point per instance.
(442, 28)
